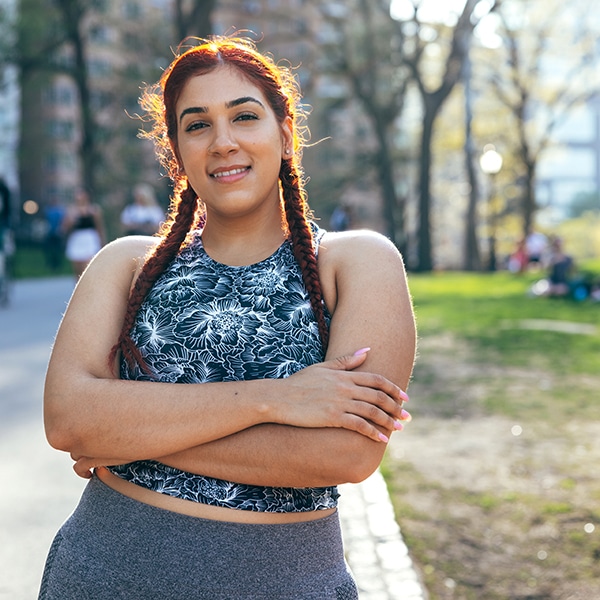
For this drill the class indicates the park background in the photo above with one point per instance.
(493, 482)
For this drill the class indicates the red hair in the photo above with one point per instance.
(282, 92)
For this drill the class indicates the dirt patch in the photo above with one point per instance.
(498, 506)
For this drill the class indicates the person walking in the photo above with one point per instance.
(218, 381)
(54, 239)
(84, 227)
(143, 216)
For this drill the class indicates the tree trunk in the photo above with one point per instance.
(529, 200)
(472, 260)
(424, 254)
(196, 21)
(393, 211)
(73, 13)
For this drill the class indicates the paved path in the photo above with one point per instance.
(39, 490)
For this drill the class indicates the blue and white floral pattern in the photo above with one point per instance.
(204, 321)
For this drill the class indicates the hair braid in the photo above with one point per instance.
(296, 212)
(183, 217)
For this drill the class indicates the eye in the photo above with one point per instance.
(247, 116)
(196, 125)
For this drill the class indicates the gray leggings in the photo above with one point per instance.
(115, 547)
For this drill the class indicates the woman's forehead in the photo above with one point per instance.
(220, 86)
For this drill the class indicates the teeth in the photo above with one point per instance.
(227, 173)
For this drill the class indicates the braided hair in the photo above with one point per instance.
(187, 212)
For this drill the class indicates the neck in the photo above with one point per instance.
(241, 242)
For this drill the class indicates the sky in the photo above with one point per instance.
(430, 10)
(446, 11)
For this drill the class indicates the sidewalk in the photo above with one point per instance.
(375, 549)
(32, 511)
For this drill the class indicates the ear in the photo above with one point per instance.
(287, 138)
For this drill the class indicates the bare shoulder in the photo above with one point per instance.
(126, 253)
(348, 249)
(360, 264)
(117, 265)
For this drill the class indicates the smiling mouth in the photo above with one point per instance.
(229, 173)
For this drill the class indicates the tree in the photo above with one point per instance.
(367, 54)
(193, 18)
(73, 13)
(471, 256)
(434, 96)
(547, 69)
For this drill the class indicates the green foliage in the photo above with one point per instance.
(585, 202)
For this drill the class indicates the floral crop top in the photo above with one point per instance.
(204, 321)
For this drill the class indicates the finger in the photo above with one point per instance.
(374, 415)
(360, 425)
(381, 383)
(82, 470)
(348, 361)
(376, 402)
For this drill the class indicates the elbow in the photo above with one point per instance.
(58, 436)
(360, 471)
(360, 461)
(58, 426)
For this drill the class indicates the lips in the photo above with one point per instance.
(229, 172)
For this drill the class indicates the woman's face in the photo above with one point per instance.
(230, 143)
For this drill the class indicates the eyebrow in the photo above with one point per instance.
(230, 104)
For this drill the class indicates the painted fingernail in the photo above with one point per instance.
(405, 416)
(361, 351)
(383, 438)
(398, 426)
(404, 396)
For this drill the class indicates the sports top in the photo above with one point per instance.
(204, 321)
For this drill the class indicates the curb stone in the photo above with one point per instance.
(375, 550)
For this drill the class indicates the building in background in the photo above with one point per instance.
(9, 115)
(127, 43)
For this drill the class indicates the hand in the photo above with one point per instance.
(334, 394)
(84, 464)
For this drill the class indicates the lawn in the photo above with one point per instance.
(494, 480)
(30, 261)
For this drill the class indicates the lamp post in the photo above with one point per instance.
(491, 163)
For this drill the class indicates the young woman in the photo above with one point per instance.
(217, 382)
(84, 228)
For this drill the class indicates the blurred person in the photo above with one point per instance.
(54, 241)
(341, 218)
(536, 245)
(560, 269)
(5, 205)
(84, 227)
(7, 246)
(143, 216)
(218, 381)
(518, 260)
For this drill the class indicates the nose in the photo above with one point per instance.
(223, 141)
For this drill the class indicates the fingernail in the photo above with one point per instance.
(383, 438)
(361, 351)
(405, 416)
(404, 396)
(398, 426)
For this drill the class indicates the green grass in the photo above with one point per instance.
(29, 261)
(519, 531)
(488, 311)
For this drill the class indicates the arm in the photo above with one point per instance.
(365, 287)
(89, 412)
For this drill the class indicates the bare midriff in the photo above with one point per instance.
(203, 511)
